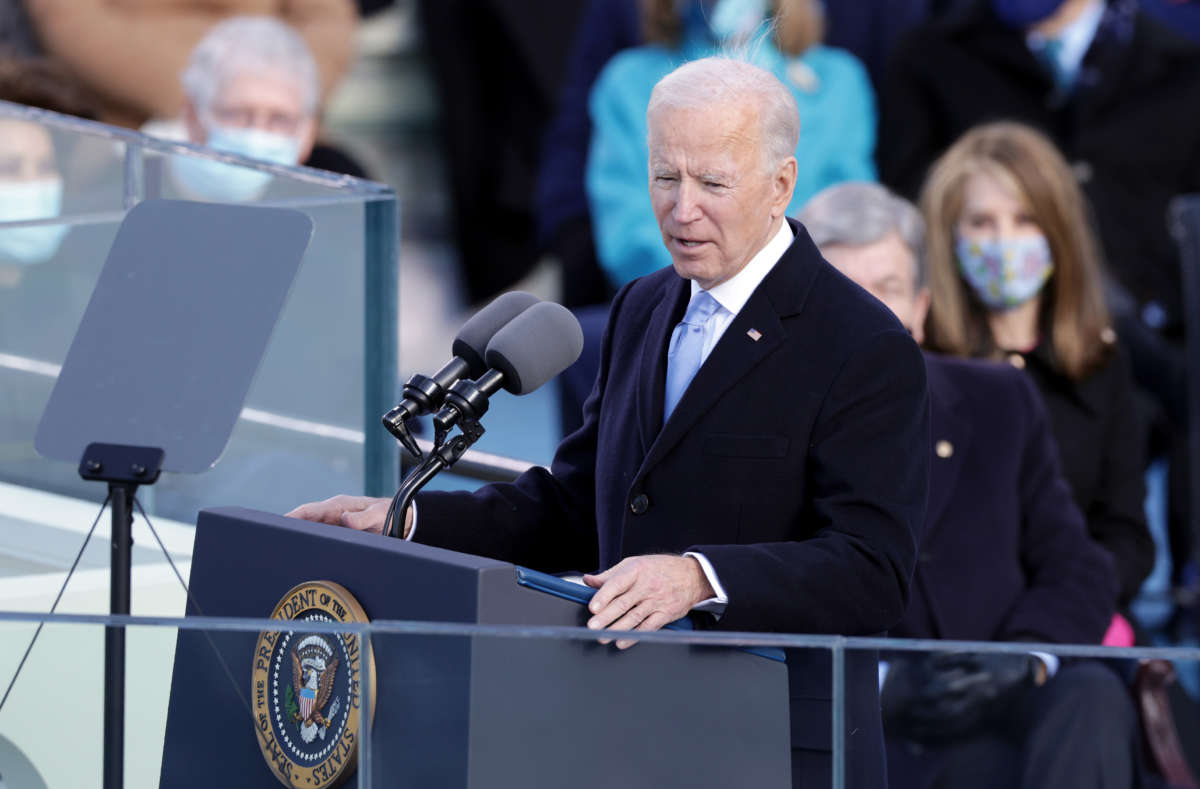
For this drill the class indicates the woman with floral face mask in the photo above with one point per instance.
(1015, 274)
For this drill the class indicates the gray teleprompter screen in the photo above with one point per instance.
(174, 331)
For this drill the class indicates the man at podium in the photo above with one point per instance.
(755, 448)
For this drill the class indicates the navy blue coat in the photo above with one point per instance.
(1005, 554)
(797, 463)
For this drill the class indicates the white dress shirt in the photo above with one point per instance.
(732, 295)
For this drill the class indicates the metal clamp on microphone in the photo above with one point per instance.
(535, 346)
(423, 395)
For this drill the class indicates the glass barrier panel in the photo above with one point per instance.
(258, 702)
(310, 427)
(219, 726)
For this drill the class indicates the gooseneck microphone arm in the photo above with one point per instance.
(466, 402)
(440, 458)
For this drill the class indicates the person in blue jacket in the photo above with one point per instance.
(831, 87)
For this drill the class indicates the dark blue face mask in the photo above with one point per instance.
(1021, 14)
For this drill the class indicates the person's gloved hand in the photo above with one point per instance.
(946, 696)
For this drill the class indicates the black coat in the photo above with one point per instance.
(1101, 441)
(796, 461)
(1005, 555)
(1130, 128)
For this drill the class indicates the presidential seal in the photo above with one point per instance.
(306, 689)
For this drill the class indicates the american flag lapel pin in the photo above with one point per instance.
(754, 334)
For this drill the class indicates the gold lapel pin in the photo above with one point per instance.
(944, 449)
(754, 334)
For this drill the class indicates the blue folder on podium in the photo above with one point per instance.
(472, 712)
(577, 593)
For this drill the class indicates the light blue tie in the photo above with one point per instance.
(687, 348)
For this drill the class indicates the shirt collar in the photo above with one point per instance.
(733, 293)
(1074, 40)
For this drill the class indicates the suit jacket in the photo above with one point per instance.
(1006, 553)
(797, 463)
(1121, 128)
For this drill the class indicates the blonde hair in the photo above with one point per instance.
(1073, 316)
(796, 24)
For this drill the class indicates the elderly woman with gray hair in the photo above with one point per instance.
(1004, 556)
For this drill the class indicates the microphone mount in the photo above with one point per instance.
(444, 455)
(466, 402)
(422, 394)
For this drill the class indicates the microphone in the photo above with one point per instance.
(423, 395)
(534, 347)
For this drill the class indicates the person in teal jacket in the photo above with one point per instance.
(837, 112)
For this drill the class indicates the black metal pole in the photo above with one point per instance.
(114, 637)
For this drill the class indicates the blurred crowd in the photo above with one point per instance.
(1000, 173)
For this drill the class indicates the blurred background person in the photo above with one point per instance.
(564, 224)
(129, 55)
(1015, 274)
(251, 88)
(1105, 81)
(1004, 556)
(837, 112)
(31, 187)
(31, 180)
(497, 68)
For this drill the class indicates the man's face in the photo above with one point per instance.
(887, 270)
(267, 102)
(714, 201)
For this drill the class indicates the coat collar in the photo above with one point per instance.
(781, 294)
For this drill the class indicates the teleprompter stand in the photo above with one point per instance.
(160, 367)
(124, 468)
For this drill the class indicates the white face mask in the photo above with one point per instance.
(21, 200)
(229, 182)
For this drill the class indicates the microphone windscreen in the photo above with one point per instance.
(536, 346)
(472, 340)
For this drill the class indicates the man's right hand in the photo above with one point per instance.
(363, 513)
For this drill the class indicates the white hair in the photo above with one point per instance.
(717, 81)
(250, 44)
(856, 214)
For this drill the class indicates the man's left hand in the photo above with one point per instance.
(645, 593)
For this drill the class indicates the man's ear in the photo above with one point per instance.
(783, 184)
(920, 311)
(191, 121)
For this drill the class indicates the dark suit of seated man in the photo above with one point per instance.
(781, 488)
(1005, 556)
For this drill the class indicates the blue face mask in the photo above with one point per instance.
(1021, 14)
(229, 182)
(736, 19)
(20, 200)
(1007, 272)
